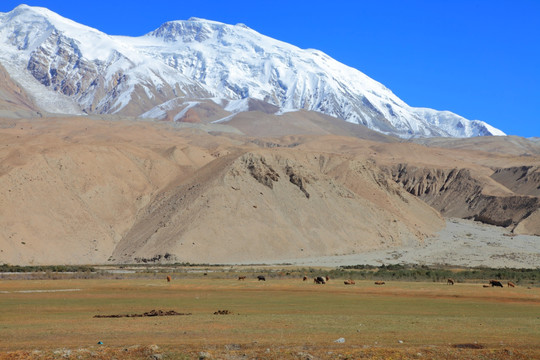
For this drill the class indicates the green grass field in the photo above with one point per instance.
(279, 318)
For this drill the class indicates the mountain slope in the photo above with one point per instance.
(80, 191)
(72, 68)
(274, 204)
(14, 101)
(77, 190)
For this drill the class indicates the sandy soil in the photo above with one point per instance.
(461, 243)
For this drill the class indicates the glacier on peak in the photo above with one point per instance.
(200, 58)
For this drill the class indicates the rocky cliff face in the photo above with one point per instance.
(458, 193)
(98, 86)
(54, 63)
(523, 180)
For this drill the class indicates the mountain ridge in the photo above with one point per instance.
(82, 70)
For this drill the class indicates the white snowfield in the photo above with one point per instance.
(204, 59)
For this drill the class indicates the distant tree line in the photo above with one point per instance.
(45, 268)
(357, 272)
(436, 274)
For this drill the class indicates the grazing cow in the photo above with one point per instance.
(494, 283)
(305, 278)
(349, 282)
(319, 280)
(261, 278)
(168, 278)
(486, 286)
(450, 282)
(327, 277)
(379, 282)
(241, 278)
(511, 284)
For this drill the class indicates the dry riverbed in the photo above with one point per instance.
(462, 243)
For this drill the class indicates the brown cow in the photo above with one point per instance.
(379, 282)
(486, 286)
(168, 278)
(450, 282)
(305, 278)
(511, 284)
(327, 277)
(349, 282)
(241, 278)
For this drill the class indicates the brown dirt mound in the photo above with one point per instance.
(468, 346)
(223, 312)
(149, 313)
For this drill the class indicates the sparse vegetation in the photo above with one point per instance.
(429, 273)
(529, 277)
(282, 318)
(46, 268)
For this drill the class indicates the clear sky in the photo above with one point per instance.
(479, 59)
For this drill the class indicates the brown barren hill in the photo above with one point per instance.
(80, 190)
(275, 204)
(494, 187)
(71, 187)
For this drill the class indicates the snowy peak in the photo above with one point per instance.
(455, 125)
(25, 27)
(195, 29)
(29, 26)
(62, 62)
(184, 31)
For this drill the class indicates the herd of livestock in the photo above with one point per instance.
(492, 283)
(325, 279)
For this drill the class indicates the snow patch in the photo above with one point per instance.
(237, 106)
(183, 113)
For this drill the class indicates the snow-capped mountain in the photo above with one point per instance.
(69, 67)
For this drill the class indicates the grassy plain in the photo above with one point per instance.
(279, 318)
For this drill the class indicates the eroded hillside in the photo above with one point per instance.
(458, 193)
(88, 191)
(269, 204)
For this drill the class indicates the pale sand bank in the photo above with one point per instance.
(461, 243)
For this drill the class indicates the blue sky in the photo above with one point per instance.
(479, 59)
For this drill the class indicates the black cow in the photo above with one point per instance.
(261, 278)
(495, 283)
(319, 280)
